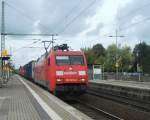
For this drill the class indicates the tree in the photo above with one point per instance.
(107, 57)
(96, 54)
(141, 55)
(121, 56)
(126, 58)
(111, 58)
(99, 50)
(90, 56)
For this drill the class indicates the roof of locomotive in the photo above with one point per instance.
(60, 52)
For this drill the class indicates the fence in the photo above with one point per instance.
(95, 72)
(129, 76)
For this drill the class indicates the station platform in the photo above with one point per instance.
(132, 89)
(23, 100)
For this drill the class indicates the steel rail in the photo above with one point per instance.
(107, 114)
(123, 100)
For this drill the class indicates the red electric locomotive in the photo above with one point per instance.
(62, 70)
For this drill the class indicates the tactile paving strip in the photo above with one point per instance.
(17, 103)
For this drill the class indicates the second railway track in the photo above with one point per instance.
(114, 107)
(92, 111)
(138, 104)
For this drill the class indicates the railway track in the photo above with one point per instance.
(138, 104)
(118, 106)
(92, 111)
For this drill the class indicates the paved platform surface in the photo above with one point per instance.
(130, 89)
(22, 100)
(130, 84)
(16, 103)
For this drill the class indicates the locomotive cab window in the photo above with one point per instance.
(70, 60)
(76, 60)
(62, 60)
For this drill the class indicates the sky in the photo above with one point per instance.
(79, 23)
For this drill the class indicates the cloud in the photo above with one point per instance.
(18, 18)
(44, 16)
(134, 20)
(68, 17)
(96, 30)
(54, 15)
(75, 27)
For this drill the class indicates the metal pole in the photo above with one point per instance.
(116, 54)
(103, 72)
(2, 34)
(93, 71)
(3, 27)
(138, 66)
(52, 41)
(53, 35)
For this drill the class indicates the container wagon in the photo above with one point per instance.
(29, 70)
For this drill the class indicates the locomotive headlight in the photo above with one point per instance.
(82, 80)
(59, 80)
(59, 73)
(82, 73)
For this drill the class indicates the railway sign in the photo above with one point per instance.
(4, 53)
(117, 65)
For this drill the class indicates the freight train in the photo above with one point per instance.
(60, 71)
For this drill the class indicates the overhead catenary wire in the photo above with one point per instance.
(21, 12)
(134, 11)
(128, 14)
(34, 47)
(76, 17)
(30, 34)
(32, 19)
(75, 7)
(83, 11)
(28, 45)
(131, 13)
(68, 15)
(29, 18)
(26, 39)
(134, 24)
